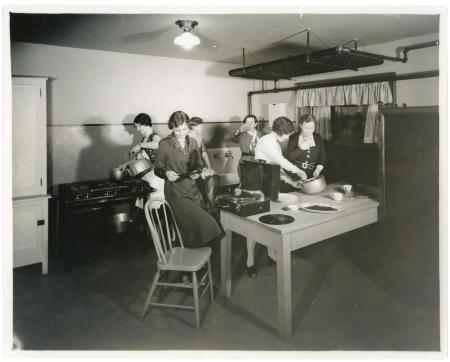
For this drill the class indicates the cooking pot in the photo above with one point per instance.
(119, 223)
(313, 185)
(139, 167)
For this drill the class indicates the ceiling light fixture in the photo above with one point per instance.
(186, 40)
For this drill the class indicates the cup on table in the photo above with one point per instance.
(337, 196)
(347, 190)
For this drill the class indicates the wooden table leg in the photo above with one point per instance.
(225, 265)
(284, 288)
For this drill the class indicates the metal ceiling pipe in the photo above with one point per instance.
(405, 50)
(418, 46)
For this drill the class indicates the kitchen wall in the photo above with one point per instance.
(93, 97)
(420, 92)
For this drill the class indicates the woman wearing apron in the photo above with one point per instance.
(147, 148)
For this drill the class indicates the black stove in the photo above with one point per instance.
(82, 212)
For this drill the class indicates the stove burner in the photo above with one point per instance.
(102, 189)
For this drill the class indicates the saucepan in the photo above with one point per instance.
(313, 185)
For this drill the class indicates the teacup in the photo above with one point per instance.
(337, 196)
(348, 190)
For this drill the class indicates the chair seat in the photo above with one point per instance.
(185, 259)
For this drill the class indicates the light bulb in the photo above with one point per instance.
(186, 40)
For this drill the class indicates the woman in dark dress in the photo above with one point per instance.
(179, 162)
(306, 149)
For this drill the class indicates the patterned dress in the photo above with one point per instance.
(197, 226)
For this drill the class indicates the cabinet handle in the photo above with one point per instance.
(40, 222)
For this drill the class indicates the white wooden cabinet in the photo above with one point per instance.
(29, 171)
(30, 231)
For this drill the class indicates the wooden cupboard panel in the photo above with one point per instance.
(28, 138)
(30, 232)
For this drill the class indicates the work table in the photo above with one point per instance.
(307, 228)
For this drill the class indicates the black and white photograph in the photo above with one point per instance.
(251, 180)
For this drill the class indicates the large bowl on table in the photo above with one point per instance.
(313, 185)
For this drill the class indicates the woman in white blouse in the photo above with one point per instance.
(268, 149)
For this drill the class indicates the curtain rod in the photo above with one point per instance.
(391, 76)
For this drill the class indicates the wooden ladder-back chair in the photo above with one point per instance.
(165, 235)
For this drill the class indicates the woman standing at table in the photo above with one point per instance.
(268, 149)
(306, 148)
(179, 162)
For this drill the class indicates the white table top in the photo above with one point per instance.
(305, 219)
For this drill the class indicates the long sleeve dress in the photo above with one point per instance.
(312, 154)
(197, 226)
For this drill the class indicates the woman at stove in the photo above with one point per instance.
(306, 148)
(179, 162)
(147, 148)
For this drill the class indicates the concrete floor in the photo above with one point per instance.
(339, 303)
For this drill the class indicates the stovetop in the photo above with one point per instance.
(101, 189)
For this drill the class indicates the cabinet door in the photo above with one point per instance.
(29, 139)
(29, 242)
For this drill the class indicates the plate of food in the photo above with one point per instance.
(319, 207)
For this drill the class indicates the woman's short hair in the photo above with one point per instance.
(177, 119)
(143, 119)
(248, 116)
(306, 118)
(282, 126)
(194, 121)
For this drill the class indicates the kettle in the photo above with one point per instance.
(139, 167)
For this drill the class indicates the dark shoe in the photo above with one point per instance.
(251, 271)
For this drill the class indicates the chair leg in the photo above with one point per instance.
(196, 302)
(150, 293)
(211, 289)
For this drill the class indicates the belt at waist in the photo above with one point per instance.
(247, 154)
(306, 165)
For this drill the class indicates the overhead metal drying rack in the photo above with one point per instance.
(322, 61)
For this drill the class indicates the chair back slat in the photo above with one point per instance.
(160, 253)
(157, 222)
(164, 234)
